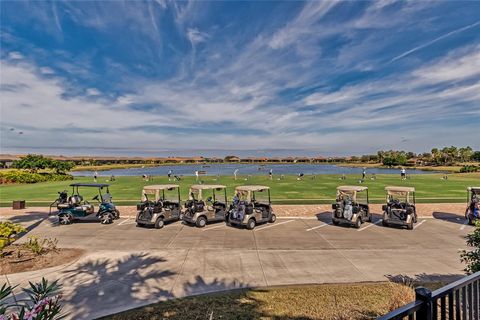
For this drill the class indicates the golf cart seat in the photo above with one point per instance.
(198, 206)
(63, 206)
(75, 200)
(220, 205)
(88, 207)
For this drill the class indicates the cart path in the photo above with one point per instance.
(444, 210)
(126, 266)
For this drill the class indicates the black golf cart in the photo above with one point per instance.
(75, 207)
(472, 213)
(400, 208)
(351, 206)
(163, 207)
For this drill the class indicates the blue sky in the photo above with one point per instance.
(325, 77)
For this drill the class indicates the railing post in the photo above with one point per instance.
(424, 295)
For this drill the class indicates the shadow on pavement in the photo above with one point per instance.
(30, 220)
(115, 284)
(325, 216)
(449, 217)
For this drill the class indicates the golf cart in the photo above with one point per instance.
(251, 206)
(351, 206)
(200, 212)
(163, 207)
(400, 207)
(472, 213)
(76, 207)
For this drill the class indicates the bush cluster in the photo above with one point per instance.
(8, 231)
(19, 176)
(41, 246)
(472, 257)
(469, 168)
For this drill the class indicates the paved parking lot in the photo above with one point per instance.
(127, 266)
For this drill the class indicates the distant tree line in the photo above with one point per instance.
(35, 162)
(445, 156)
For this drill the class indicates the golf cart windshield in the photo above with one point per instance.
(400, 193)
(165, 192)
(260, 194)
(216, 193)
(353, 193)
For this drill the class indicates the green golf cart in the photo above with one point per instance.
(76, 207)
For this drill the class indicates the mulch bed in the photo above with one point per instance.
(17, 258)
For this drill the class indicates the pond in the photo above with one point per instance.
(246, 169)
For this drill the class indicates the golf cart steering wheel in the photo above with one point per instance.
(95, 198)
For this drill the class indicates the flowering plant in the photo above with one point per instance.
(42, 302)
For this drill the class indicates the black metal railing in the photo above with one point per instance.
(456, 301)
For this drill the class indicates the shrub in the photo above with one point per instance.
(8, 231)
(19, 176)
(43, 302)
(469, 169)
(39, 247)
(472, 258)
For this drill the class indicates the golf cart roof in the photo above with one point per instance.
(251, 188)
(160, 187)
(393, 189)
(206, 186)
(92, 185)
(474, 189)
(351, 188)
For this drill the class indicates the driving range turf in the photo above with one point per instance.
(431, 188)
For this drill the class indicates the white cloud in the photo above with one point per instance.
(195, 36)
(47, 70)
(92, 92)
(14, 55)
(429, 43)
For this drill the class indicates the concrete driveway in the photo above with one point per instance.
(127, 266)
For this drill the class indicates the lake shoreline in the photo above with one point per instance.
(449, 169)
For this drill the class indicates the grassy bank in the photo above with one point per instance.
(105, 167)
(126, 190)
(329, 301)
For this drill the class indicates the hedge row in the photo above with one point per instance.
(469, 168)
(19, 176)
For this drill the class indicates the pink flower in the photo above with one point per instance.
(30, 315)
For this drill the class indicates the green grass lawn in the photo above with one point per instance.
(127, 190)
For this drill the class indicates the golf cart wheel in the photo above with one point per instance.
(273, 218)
(415, 218)
(139, 225)
(64, 219)
(358, 223)
(201, 222)
(410, 225)
(159, 223)
(251, 224)
(106, 218)
(117, 214)
(384, 223)
(335, 222)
